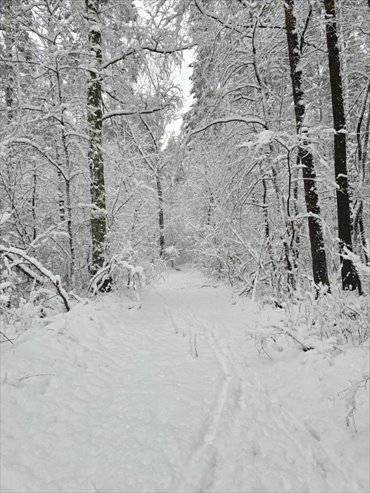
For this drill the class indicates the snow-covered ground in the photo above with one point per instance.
(175, 396)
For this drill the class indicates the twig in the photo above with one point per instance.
(303, 346)
(40, 268)
(95, 488)
(26, 377)
(288, 333)
(6, 337)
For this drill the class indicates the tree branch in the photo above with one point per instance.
(45, 272)
(111, 114)
(153, 49)
(35, 146)
(239, 119)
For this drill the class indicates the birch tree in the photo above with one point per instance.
(95, 152)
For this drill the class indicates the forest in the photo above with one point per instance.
(194, 168)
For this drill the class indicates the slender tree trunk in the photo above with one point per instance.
(286, 245)
(364, 162)
(160, 212)
(61, 190)
(319, 265)
(64, 180)
(210, 208)
(95, 154)
(350, 278)
(261, 92)
(358, 215)
(33, 203)
(9, 46)
(67, 160)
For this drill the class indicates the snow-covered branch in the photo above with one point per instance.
(55, 280)
(239, 119)
(153, 49)
(24, 141)
(137, 111)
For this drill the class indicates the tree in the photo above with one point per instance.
(350, 278)
(305, 156)
(95, 129)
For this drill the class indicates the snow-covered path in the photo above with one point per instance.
(172, 397)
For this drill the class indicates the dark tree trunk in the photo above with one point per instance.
(95, 154)
(358, 215)
(350, 279)
(305, 157)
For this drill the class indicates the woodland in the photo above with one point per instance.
(264, 185)
(118, 185)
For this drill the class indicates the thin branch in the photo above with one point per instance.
(6, 337)
(45, 272)
(112, 114)
(239, 119)
(153, 49)
(309, 15)
(37, 148)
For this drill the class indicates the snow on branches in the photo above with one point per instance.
(28, 267)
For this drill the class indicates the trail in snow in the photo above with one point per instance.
(251, 443)
(172, 397)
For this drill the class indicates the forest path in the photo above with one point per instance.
(250, 441)
(171, 397)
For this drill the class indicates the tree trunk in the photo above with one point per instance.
(95, 154)
(33, 203)
(319, 265)
(358, 215)
(9, 46)
(67, 160)
(160, 212)
(350, 278)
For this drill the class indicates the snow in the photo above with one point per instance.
(175, 397)
(55, 279)
(265, 137)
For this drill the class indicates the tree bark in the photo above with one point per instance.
(9, 40)
(95, 154)
(350, 278)
(358, 215)
(160, 212)
(305, 157)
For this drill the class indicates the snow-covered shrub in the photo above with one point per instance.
(350, 395)
(325, 324)
(154, 270)
(338, 318)
(21, 306)
(171, 254)
(28, 291)
(117, 274)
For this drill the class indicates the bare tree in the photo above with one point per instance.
(350, 278)
(95, 153)
(305, 157)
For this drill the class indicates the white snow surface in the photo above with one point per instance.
(175, 397)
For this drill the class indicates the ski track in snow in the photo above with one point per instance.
(240, 421)
(166, 398)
